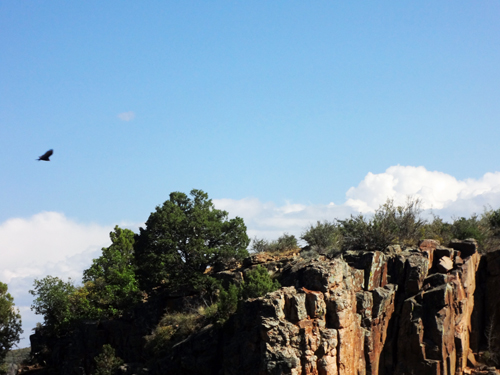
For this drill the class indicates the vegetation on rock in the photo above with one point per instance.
(107, 362)
(284, 243)
(257, 283)
(183, 238)
(185, 245)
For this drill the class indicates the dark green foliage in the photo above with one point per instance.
(107, 362)
(389, 225)
(493, 217)
(257, 283)
(111, 280)
(324, 237)
(438, 230)
(185, 236)
(227, 303)
(472, 227)
(10, 322)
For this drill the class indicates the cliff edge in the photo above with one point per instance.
(427, 310)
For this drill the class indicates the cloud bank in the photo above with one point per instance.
(49, 243)
(437, 190)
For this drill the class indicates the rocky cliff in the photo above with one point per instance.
(428, 310)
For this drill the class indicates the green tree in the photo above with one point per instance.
(111, 279)
(10, 322)
(185, 236)
(54, 303)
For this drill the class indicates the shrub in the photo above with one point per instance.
(107, 362)
(257, 283)
(473, 227)
(172, 328)
(286, 242)
(493, 218)
(438, 230)
(389, 225)
(227, 303)
(259, 245)
(283, 243)
(323, 238)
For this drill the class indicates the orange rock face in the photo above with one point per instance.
(371, 313)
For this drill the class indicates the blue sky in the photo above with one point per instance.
(284, 112)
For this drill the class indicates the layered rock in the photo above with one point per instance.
(393, 312)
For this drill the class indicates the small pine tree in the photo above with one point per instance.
(257, 283)
(228, 302)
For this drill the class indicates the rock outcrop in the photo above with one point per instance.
(428, 310)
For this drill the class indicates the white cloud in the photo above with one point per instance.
(126, 116)
(51, 244)
(47, 239)
(437, 190)
(47, 243)
(443, 193)
(267, 220)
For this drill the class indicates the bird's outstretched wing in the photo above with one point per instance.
(46, 156)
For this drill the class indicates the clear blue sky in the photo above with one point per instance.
(279, 100)
(274, 108)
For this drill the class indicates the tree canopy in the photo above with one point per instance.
(53, 302)
(10, 322)
(111, 280)
(184, 237)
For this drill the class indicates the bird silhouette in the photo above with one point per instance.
(46, 156)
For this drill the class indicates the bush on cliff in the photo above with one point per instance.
(389, 225)
(284, 243)
(484, 228)
(107, 363)
(173, 328)
(323, 238)
(258, 283)
(184, 237)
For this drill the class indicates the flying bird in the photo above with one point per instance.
(46, 156)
